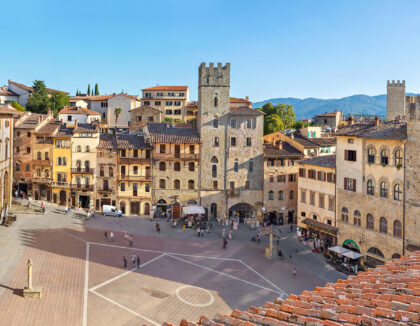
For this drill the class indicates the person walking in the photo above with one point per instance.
(125, 262)
(223, 233)
(131, 240)
(230, 234)
(66, 210)
(133, 258)
(111, 236)
(198, 232)
(202, 232)
(106, 236)
(224, 243)
(294, 271)
(138, 262)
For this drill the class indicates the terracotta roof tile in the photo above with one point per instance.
(285, 151)
(244, 110)
(170, 133)
(107, 141)
(77, 110)
(5, 91)
(239, 100)
(87, 128)
(31, 121)
(306, 142)
(5, 110)
(327, 161)
(92, 97)
(166, 88)
(30, 89)
(49, 128)
(327, 114)
(384, 130)
(132, 141)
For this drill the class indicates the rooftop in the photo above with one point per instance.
(5, 110)
(166, 88)
(86, 128)
(4, 91)
(64, 132)
(172, 133)
(239, 100)
(383, 130)
(77, 110)
(107, 141)
(102, 97)
(30, 89)
(327, 161)
(49, 128)
(285, 151)
(387, 295)
(31, 121)
(244, 110)
(324, 141)
(327, 114)
(305, 142)
(132, 141)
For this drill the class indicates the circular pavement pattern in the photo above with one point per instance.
(194, 296)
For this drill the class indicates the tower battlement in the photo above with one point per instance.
(393, 83)
(212, 75)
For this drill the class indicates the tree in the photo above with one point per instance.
(273, 123)
(39, 101)
(58, 100)
(117, 113)
(17, 106)
(96, 89)
(298, 125)
(88, 90)
(169, 120)
(278, 117)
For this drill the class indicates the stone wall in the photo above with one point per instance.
(395, 99)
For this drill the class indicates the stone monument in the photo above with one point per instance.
(29, 291)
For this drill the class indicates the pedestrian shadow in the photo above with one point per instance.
(18, 292)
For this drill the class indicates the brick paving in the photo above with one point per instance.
(56, 244)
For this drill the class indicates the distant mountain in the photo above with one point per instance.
(356, 104)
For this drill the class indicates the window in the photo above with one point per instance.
(291, 194)
(383, 190)
(214, 184)
(122, 186)
(303, 214)
(236, 166)
(384, 157)
(104, 104)
(28, 150)
(232, 185)
(248, 141)
(28, 167)
(162, 184)
(101, 171)
(59, 161)
(147, 153)
(111, 172)
(314, 217)
(345, 215)
(331, 203)
(216, 141)
(397, 192)
(17, 167)
(251, 165)
(233, 123)
(233, 141)
(214, 171)
(281, 178)
(280, 195)
(169, 112)
(302, 173)
(29, 134)
(271, 178)
(177, 184)
(190, 184)
(78, 148)
(350, 155)
(162, 166)
(312, 198)
(150, 119)
(397, 229)
(249, 123)
(177, 103)
(303, 196)
(371, 155)
(247, 184)
(383, 225)
(17, 149)
(292, 177)
(162, 148)
(350, 141)
(312, 174)
(38, 156)
(87, 149)
(177, 112)
(215, 123)
(370, 189)
(192, 149)
(38, 172)
(147, 187)
(69, 118)
(321, 201)
(191, 167)
(357, 218)
(46, 156)
(169, 103)
(177, 166)
(370, 222)
(136, 153)
(350, 184)
(135, 170)
(270, 195)
(398, 158)
(216, 102)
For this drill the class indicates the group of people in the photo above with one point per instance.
(109, 236)
(128, 237)
(134, 259)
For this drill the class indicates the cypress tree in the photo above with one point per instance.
(96, 89)
(88, 90)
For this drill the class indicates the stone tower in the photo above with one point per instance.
(412, 177)
(212, 123)
(395, 99)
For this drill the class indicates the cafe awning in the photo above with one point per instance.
(352, 254)
(193, 210)
(319, 226)
(338, 249)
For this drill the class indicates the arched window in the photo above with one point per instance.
(397, 229)
(375, 251)
(79, 148)
(214, 159)
(357, 218)
(214, 171)
(370, 189)
(216, 102)
(397, 192)
(87, 165)
(111, 172)
(383, 225)
(177, 184)
(64, 159)
(291, 194)
(215, 122)
(162, 184)
(87, 148)
(396, 256)
(38, 156)
(371, 155)
(270, 195)
(370, 223)
(398, 158)
(345, 214)
(190, 184)
(46, 156)
(383, 190)
(177, 166)
(384, 157)
(280, 195)
(162, 166)
(191, 166)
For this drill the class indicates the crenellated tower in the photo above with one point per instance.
(395, 100)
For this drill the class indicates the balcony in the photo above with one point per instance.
(134, 160)
(78, 186)
(41, 162)
(105, 190)
(176, 156)
(37, 179)
(126, 177)
(82, 171)
(61, 184)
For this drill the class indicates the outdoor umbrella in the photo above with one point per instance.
(338, 249)
(352, 255)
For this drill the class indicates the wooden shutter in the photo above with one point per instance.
(346, 155)
(354, 184)
(355, 159)
(345, 183)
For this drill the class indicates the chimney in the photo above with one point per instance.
(280, 145)
(376, 121)
(247, 98)
(75, 124)
(274, 142)
(351, 120)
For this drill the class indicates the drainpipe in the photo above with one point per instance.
(404, 204)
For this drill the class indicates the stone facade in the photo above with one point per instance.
(231, 161)
(142, 115)
(395, 99)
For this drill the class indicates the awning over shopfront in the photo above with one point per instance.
(352, 255)
(338, 249)
(193, 210)
(319, 226)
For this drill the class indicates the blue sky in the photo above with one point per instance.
(325, 49)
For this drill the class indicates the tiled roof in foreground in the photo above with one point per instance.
(385, 296)
(172, 133)
(383, 130)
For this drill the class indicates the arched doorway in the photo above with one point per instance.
(147, 209)
(272, 217)
(243, 210)
(122, 207)
(374, 257)
(213, 210)
(191, 202)
(161, 207)
(176, 210)
(63, 197)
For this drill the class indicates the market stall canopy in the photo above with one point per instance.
(338, 249)
(352, 254)
(323, 227)
(193, 210)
